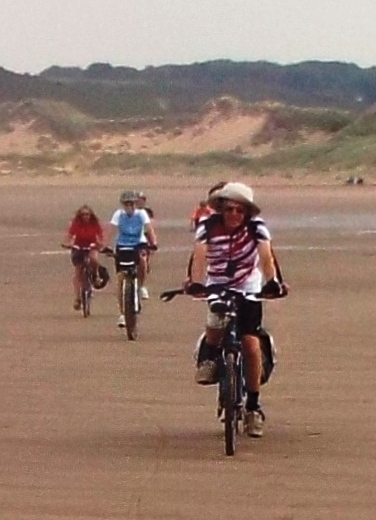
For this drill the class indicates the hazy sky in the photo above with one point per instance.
(36, 34)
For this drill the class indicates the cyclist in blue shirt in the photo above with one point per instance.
(131, 225)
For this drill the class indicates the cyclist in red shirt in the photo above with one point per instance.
(202, 210)
(84, 230)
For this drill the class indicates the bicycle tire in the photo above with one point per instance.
(85, 302)
(85, 293)
(130, 313)
(230, 418)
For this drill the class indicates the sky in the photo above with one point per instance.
(37, 34)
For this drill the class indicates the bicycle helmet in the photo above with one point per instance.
(238, 192)
(129, 196)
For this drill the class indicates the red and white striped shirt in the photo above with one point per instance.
(233, 258)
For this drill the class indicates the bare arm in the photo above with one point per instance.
(150, 234)
(198, 271)
(68, 238)
(266, 260)
(109, 233)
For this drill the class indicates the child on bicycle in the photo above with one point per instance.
(233, 248)
(84, 231)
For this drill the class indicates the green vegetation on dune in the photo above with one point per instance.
(58, 118)
(336, 154)
(291, 139)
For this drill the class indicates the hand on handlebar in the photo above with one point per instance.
(274, 289)
(106, 250)
(195, 289)
(68, 246)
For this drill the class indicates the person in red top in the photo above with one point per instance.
(202, 210)
(84, 230)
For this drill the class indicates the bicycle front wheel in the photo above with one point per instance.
(85, 291)
(231, 418)
(85, 299)
(130, 299)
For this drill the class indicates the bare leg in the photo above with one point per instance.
(94, 263)
(253, 417)
(252, 359)
(77, 282)
(142, 268)
(213, 336)
(119, 291)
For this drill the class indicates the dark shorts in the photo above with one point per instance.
(78, 256)
(249, 318)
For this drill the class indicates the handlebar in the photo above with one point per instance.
(79, 248)
(108, 251)
(197, 289)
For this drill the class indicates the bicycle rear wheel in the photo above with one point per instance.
(231, 418)
(130, 309)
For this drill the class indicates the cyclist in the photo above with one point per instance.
(84, 230)
(131, 224)
(202, 210)
(141, 204)
(233, 248)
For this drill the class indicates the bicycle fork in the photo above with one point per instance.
(239, 390)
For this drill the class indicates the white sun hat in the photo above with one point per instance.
(238, 192)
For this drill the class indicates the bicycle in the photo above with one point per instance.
(127, 259)
(86, 275)
(231, 387)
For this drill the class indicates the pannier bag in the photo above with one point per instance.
(268, 352)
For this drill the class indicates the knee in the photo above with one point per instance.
(213, 336)
(251, 346)
(142, 260)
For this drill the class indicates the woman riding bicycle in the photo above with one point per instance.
(84, 231)
(130, 225)
(232, 248)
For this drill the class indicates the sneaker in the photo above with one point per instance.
(77, 304)
(144, 293)
(121, 321)
(253, 423)
(207, 373)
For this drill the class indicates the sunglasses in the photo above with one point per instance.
(234, 209)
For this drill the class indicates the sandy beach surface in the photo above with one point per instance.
(95, 427)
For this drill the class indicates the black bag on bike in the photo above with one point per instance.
(268, 353)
